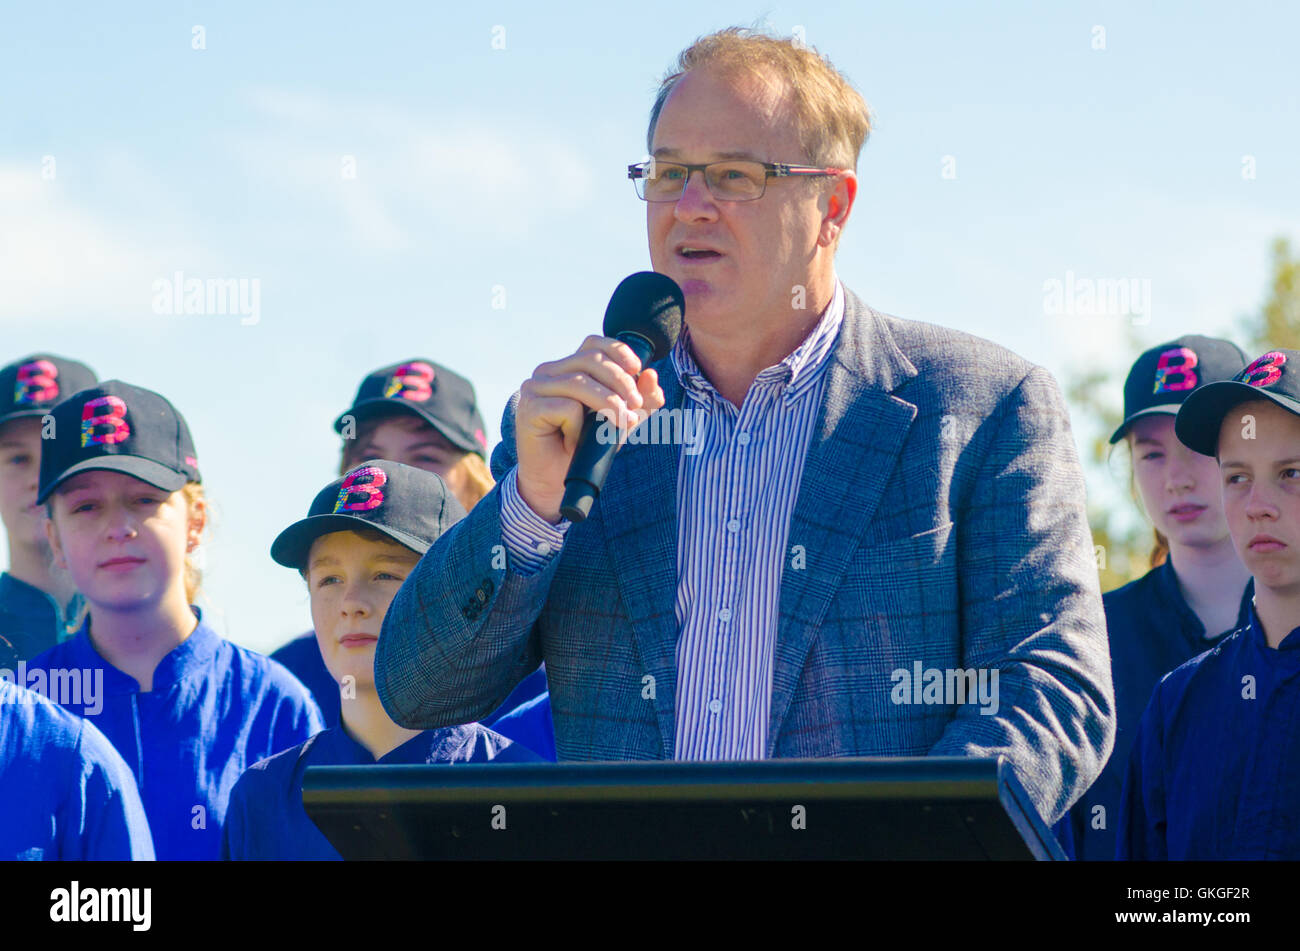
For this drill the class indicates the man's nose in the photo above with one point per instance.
(696, 200)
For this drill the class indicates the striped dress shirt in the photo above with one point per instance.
(737, 483)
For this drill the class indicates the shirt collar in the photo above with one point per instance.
(1289, 643)
(190, 658)
(21, 598)
(1167, 584)
(800, 370)
(333, 747)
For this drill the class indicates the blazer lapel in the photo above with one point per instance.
(859, 432)
(638, 512)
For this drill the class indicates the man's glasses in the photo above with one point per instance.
(726, 181)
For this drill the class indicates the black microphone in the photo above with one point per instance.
(645, 313)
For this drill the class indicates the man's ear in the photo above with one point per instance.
(839, 202)
(56, 549)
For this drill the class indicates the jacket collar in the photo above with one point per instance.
(190, 659)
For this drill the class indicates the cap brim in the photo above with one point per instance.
(146, 470)
(379, 406)
(292, 545)
(1201, 417)
(1168, 409)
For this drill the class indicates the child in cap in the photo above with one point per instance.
(187, 710)
(34, 604)
(65, 793)
(1197, 590)
(362, 536)
(1215, 768)
(422, 414)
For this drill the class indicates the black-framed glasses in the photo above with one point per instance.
(737, 180)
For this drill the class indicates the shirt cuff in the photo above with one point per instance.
(530, 540)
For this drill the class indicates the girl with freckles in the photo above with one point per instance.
(185, 708)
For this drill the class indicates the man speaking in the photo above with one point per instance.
(872, 512)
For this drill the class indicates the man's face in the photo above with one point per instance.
(20, 469)
(1260, 471)
(761, 248)
(352, 580)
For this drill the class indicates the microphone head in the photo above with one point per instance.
(650, 305)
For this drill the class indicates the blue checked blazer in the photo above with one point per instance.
(942, 518)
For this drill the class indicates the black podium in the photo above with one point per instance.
(879, 808)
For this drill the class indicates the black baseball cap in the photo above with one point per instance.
(1164, 376)
(30, 386)
(409, 505)
(443, 399)
(1274, 376)
(122, 428)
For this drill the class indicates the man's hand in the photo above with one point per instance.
(603, 376)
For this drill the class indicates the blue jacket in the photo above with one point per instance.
(31, 621)
(65, 793)
(1215, 768)
(1151, 630)
(215, 709)
(267, 820)
(942, 517)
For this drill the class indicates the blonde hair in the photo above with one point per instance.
(831, 117)
(1160, 547)
(478, 477)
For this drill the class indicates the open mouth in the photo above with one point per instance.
(697, 254)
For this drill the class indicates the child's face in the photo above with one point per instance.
(1260, 470)
(122, 540)
(1179, 487)
(20, 469)
(408, 439)
(352, 580)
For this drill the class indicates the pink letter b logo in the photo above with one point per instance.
(360, 490)
(1174, 370)
(36, 382)
(106, 428)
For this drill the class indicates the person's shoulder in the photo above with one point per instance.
(267, 774)
(302, 647)
(1205, 668)
(61, 655)
(38, 724)
(258, 673)
(947, 354)
(1137, 592)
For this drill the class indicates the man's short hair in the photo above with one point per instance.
(833, 119)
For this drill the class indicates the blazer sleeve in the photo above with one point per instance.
(1031, 605)
(461, 632)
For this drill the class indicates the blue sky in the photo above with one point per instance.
(486, 174)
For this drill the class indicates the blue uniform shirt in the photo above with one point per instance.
(1215, 769)
(65, 793)
(31, 621)
(302, 656)
(529, 724)
(215, 709)
(267, 820)
(1151, 630)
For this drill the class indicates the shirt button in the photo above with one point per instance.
(742, 438)
(733, 525)
(724, 614)
(715, 706)
(543, 548)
